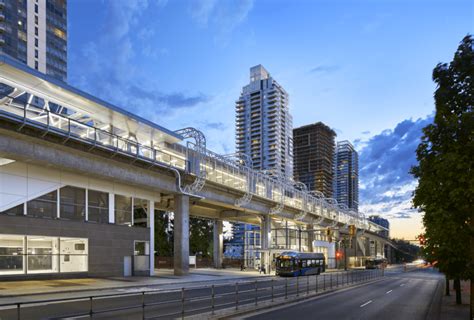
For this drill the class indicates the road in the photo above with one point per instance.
(169, 304)
(397, 296)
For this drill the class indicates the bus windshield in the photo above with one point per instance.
(286, 264)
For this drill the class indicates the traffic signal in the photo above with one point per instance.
(352, 230)
(338, 255)
(422, 240)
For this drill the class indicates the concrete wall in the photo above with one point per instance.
(108, 244)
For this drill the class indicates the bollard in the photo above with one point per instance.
(212, 298)
(286, 288)
(18, 311)
(256, 292)
(272, 289)
(324, 282)
(337, 279)
(182, 303)
(236, 296)
(330, 280)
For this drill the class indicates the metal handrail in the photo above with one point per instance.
(281, 191)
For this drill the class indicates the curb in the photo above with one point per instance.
(434, 308)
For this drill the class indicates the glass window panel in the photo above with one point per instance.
(42, 254)
(15, 211)
(72, 203)
(140, 207)
(73, 255)
(141, 259)
(98, 203)
(44, 206)
(123, 210)
(142, 248)
(11, 254)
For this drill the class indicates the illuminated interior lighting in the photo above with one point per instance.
(5, 161)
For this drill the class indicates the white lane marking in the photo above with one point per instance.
(363, 305)
(402, 284)
(388, 291)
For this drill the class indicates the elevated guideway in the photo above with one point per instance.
(47, 122)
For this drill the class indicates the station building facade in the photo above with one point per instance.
(59, 223)
(87, 218)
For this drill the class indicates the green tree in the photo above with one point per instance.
(445, 191)
(163, 234)
(200, 236)
(405, 251)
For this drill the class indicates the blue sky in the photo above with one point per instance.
(362, 67)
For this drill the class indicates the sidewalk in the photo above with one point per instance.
(449, 310)
(163, 279)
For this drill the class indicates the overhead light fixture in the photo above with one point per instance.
(5, 161)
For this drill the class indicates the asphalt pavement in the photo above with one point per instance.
(398, 295)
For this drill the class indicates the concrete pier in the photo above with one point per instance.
(181, 235)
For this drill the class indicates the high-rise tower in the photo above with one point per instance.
(35, 33)
(314, 146)
(346, 186)
(264, 125)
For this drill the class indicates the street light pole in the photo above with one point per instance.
(345, 254)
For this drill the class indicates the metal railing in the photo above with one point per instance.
(217, 168)
(158, 304)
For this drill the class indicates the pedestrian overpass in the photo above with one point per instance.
(47, 124)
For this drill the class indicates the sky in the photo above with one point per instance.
(362, 67)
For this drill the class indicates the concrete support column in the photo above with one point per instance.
(151, 225)
(354, 243)
(111, 208)
(218, 243)
(310, 231)
(266, 241)
(181, 235)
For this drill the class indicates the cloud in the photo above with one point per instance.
(365, 132)
(174, 100)
(222, 16)
(321, 69)
(220, 126)
(201, 10)
(386, 185)
(111, 61)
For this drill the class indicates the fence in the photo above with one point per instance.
(157, 304)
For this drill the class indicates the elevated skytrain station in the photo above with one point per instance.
(81, 181)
